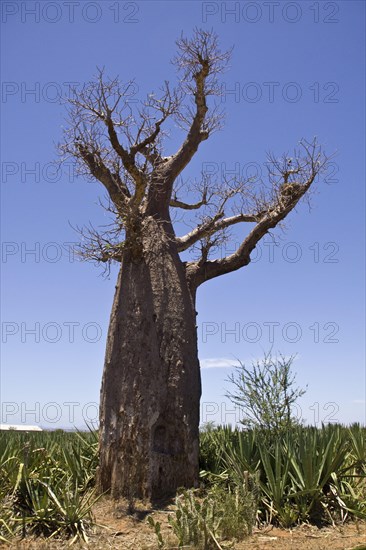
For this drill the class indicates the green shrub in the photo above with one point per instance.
(205, 521)
(266, 394)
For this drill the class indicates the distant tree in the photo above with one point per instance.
(266, 394)
(149, 411)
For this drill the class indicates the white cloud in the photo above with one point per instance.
(359, 401)
(218, 363)
(227, 362)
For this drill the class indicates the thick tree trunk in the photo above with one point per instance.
(151, 387)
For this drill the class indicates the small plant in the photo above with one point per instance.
(195, 521)
(157, 528)
(222, 514)
(266, 394)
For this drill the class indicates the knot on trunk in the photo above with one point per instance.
(134, 240)
(290, 192)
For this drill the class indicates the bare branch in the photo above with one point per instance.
(202, 191)
(127, 158)
(105, 245)
(121, 145)
(201, 61)
(99, 246)
(210, 227)
(167, 104)
(95, 112)
(117, 190)
(214, 220)
(96, 246)
(185, 206)
(286, 196)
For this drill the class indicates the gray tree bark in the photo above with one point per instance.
(149, 413)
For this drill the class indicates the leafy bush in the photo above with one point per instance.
(205, 521)
(266, 394)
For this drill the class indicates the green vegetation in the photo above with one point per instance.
(306, 475)
(266, 394)
(46, 483)
(309, 474)
(205, 519)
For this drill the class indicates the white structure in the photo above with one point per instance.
(20, 428)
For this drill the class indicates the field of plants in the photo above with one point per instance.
(46, 483)
(309, 475)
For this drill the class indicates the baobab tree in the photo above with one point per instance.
(150, 394)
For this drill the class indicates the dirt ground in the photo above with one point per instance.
(119, 530)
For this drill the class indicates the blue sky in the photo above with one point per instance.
(297, 70)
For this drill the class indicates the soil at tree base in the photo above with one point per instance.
(131, 532)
